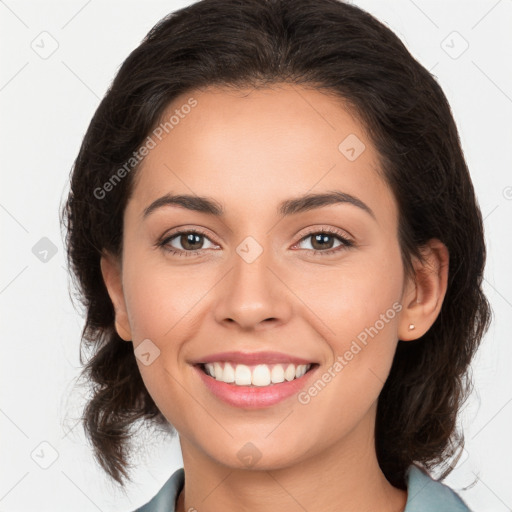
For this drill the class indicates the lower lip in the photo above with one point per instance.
(255, 397)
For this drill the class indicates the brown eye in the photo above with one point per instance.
(190, 241)
(186, 243)
(323, 242)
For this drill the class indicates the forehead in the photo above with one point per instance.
(260, 144)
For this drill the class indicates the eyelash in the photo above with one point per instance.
(326, 231)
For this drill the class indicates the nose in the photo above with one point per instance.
(253, 295)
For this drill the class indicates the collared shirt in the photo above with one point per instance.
(424, 494)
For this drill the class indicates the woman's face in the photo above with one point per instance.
(261, 277)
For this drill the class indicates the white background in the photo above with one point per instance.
(46, 105)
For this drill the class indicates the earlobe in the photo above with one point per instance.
(111, 271)
(425, 293)
(124, 333)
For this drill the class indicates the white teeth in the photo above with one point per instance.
(217, 369)
(289, 373)
(228, 374)
(259, 375)
(242, 375)
(300, 371)
(209, 369)
(277, 374)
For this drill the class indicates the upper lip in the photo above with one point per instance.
(251, 358)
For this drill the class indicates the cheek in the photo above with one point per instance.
(356, 308)
(358, 315)
(363, 291)
(160, 298)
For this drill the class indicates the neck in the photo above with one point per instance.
(349, 479)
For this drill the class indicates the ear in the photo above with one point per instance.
(424, 293)
(112, 276)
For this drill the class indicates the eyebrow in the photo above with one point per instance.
(289, 207)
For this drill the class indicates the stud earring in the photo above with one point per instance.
(411, 327)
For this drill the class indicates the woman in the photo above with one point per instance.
(279, 247)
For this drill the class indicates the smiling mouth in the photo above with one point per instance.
(259, 375)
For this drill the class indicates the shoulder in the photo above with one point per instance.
(165, 499)
(424, 494)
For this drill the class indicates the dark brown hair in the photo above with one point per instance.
(339, 49)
